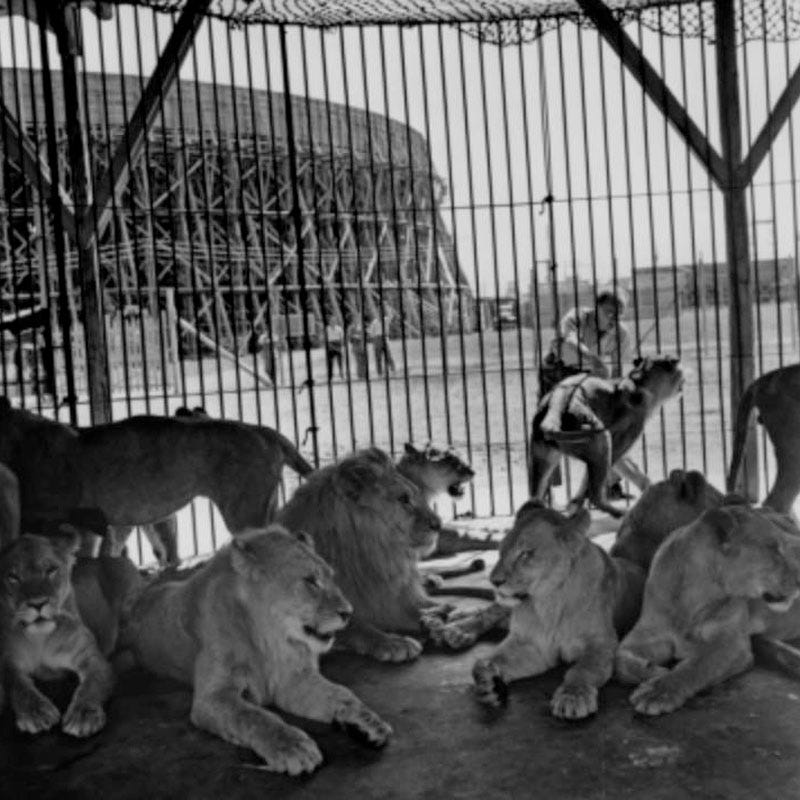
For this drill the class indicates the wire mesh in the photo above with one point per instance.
(415, 195)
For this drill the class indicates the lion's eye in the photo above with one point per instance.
(12, 578)
(51, 572)
(312, 581)
(405, 498)
(528, 554)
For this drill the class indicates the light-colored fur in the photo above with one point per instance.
(732, 573)
(371, 525)
(664, 506)
(435, 470)
(568, 602)
(246, 631)
(43, 636)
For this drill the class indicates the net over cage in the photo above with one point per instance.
(497, 22)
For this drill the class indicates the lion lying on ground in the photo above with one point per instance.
(246, 630)
(42, 635)
(732, 573)
(597, 421)
(568, 601)
(776, 397)
(664, 506)
(372, 525)
(142, 469)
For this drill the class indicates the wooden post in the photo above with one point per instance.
(66, 24)
(740, 306)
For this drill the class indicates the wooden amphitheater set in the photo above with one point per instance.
(207, 211)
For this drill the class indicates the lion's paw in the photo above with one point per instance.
(397, 648)
(35, 713)
(657, 696)
(83, 719)
(289, 750)
(457, 635)
(364, 724)
(490, 687)
(574, 702)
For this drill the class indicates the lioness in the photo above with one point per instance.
(663, 507)
(597, 421)
(435, 470)
(42, 635)
(731, 573)
(142, 469)
(246, 630)
(569, 599)
(371, 525)
(776, 397)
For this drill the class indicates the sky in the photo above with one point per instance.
(626, 192)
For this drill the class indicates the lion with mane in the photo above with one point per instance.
(246, 630)
(372, 525)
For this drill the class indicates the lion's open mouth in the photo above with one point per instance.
(779, 602)
(455, 490)
(512, 599)
(313, 633)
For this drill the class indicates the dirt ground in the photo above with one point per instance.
(742, 740)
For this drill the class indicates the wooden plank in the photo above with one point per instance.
(772, 127)
(21, 149)
(655, 87)
(740, 303)
(132, 142)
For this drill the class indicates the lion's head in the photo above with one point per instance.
(661, 376)
(35, 581)
(754, 553)
(282, 578)
(537, 553)
(663, 507)
(436, 470)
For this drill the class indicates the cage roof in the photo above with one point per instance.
(499, 21)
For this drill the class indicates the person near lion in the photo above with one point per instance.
(591, 340)
(334, 345)
(378, 334)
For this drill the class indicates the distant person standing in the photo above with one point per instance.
(358, 344)
(334, 342)
(378, 332)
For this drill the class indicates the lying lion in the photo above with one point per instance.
(597, 421)
(732, 573)
(568, 601)
(42, 635)
(372, 525)
(142, 469)
(776, 397)
(247, 630)
(663, 507)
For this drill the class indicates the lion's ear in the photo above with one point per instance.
(66, 540)
(581, 521)
(735, 499)
(410, 449)
(305, 538)
(182, 411)
(723, 525)
(694, 484)
(637, 362)
(5, 404)
(529, 506)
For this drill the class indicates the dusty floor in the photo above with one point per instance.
(740, 741)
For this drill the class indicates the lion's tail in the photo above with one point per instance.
(743, 413)
(291, 455)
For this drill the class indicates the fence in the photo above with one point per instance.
(407, 173)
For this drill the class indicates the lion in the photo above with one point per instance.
(597, 421)
(246, 630)
(663, 507)
(732, 573)
(142, 469)
(776, 397)
(372, 525)
(568, 599)
(42, 635)
(435, 470)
